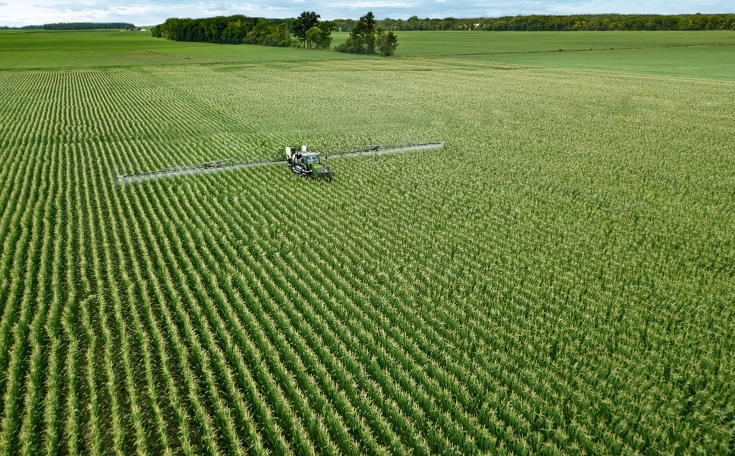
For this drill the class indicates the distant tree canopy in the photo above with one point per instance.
(557, 23)
(306, 30)
(89, 26)
(236, 29)
(507, 23)
(25, 27)
(365, 38)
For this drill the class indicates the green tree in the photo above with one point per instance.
(303, 23)
(270, 35)
(313, 36)
(234, 33)
(326, 27)
(366, 25)
(414, 23)
(320, 37)
(362, 37)
(385, 42)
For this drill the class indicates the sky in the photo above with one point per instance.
(36, 12)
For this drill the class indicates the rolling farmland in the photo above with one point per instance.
(558, 279)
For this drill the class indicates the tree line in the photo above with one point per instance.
(306, 30)
(89, 26)
(366, 38)
(183, 27)
(558, 23)
(25, 27)
(235, 29)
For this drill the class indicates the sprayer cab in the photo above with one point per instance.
(304, 163)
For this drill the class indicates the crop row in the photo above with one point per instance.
(463, 301)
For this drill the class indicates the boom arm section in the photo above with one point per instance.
(245, 162)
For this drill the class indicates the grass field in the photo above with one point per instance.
(689, 54)
(559, 279)
(108, 48)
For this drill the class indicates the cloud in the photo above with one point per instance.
(18, 12)
(378, 4)
(63, 7)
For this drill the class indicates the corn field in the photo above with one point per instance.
(559, 279)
